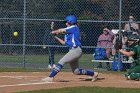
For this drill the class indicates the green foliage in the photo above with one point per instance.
(18, 70)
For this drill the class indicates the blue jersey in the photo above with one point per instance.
(72, 37)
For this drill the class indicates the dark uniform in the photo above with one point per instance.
(50, 40)
(134, 71)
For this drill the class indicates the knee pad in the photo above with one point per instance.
(76, 71)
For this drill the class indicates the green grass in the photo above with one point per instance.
(39, 58)
(22, 70)
(87, 90)
(85, 60)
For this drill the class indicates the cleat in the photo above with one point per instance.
(137, 79)
(127, 77)
(54, 66)
(50, 67)
(48, 79)
(94, 78)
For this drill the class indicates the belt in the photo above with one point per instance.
(75, 47)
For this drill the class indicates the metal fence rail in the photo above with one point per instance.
(32, 18)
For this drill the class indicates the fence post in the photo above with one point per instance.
(24, 33)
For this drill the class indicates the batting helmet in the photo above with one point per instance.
(71, 19)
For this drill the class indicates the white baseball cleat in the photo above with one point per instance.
(50, 67)
(94, 78)
(128, 77)
(54, 66)
(48, 79)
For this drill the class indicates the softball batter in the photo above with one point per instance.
(71, 40)
(134, 72)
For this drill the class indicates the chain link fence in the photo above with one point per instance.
(32, 19)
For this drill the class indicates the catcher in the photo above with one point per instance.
(134, 71)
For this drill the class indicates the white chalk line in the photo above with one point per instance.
(32, 82)
(25, 84)
(18, 77)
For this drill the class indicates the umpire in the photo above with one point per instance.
(134, 71)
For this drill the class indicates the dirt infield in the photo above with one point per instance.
(26, 81)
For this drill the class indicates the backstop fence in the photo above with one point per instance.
(32, 18)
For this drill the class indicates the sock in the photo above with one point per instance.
(56, 70)
(85, 72)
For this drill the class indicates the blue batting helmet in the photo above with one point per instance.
(71, 19)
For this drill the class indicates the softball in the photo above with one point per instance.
(15, 34)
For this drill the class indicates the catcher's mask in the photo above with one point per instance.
(133, 40)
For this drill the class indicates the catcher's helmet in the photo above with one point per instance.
(71, 19)
(135, 39)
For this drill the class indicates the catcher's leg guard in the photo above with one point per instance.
(135, 76)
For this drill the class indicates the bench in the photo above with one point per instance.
(104, 61)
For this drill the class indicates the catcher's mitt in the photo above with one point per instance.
(118, 43)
